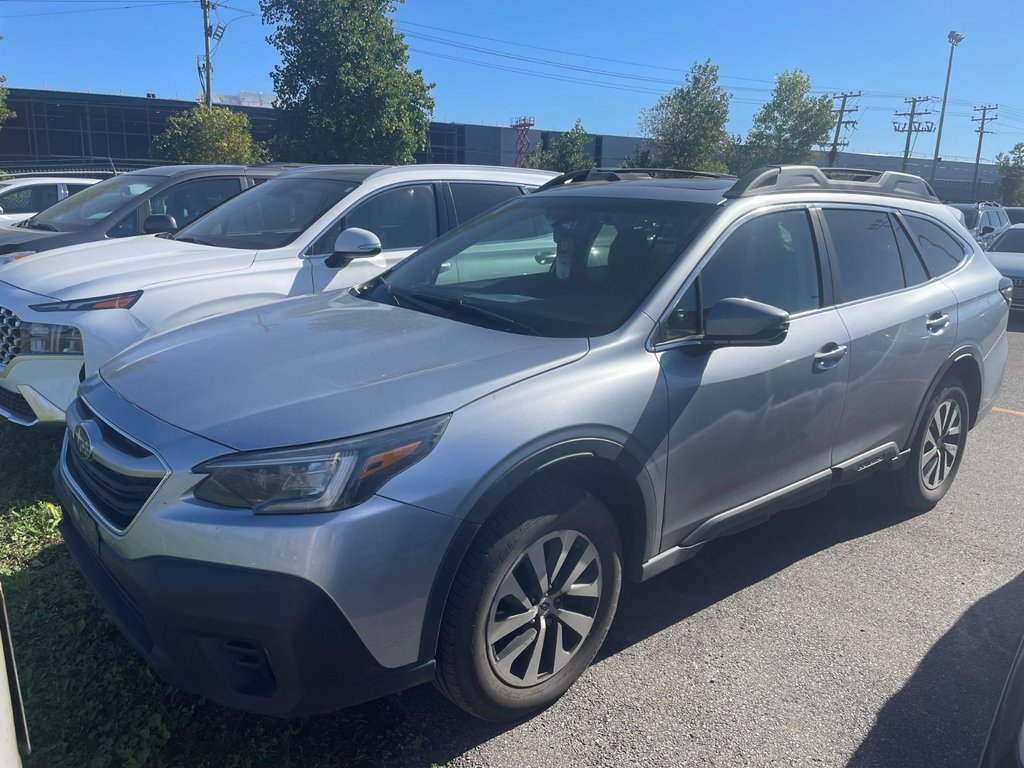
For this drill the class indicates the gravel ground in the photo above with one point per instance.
(842, 633)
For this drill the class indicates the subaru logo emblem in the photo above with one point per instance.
(80, 440)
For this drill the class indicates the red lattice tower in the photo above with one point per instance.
(522, 126)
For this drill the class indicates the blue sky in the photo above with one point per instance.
(888, 50)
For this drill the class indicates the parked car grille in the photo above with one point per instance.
(15, 404)
(1018, 292)
(10, 336)
(116, 496)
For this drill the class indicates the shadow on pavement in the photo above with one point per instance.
(942, 715)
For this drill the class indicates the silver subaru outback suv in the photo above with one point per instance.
(446, 473)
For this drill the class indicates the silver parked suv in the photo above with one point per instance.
(445, 473)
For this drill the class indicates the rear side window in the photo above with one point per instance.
(72, 188)
(941, 252)
(473, 199)
(866, 253)
(913, 270)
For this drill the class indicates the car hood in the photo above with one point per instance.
(12, 238)
(323, 367)
(1011, 264)
(115, 266)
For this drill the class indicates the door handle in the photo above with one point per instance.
(829, 356)
(936, 322)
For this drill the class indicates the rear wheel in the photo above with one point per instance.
(531, 604)
(937, 450)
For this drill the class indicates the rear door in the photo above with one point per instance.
(900, 321)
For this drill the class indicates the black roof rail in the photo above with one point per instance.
(627, 174)
(775, 179)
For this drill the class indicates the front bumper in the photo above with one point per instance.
(38, 389)
(249, 639)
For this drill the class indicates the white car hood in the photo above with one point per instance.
(116, 266)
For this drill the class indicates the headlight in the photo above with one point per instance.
(317, 478)
(46, 339)
(7, 258)
(113, 301)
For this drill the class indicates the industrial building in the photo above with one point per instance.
(60, 129)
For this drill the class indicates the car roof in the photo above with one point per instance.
(181, 170)
(19, 180)
(420, 171)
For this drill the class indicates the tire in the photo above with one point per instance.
(922, 482)
(502, 672)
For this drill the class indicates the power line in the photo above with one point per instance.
(841, 123)
(92, 10)
(981, 135)
(913, 126)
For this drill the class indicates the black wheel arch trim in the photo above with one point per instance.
(521, 472)
(960, 353)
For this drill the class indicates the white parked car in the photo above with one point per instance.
(65, 312)
(23, 198)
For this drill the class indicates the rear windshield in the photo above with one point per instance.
(1016, 215)
(970, 215)
(268, 216)
(547, 265)
(1011, 241)
(93, 204)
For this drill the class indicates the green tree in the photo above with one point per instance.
(642, 157)
(788, 127)
(567, 153)
(344, 90)
(1011, 168)
(688, 123)
(208, 135)
(6, 113)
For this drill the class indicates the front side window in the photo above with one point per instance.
(404, 217)
(268, 216)
(1011, 241)
(940, 251)
(559, 266)
(865, 252)
(191, 199)
(92, 205)
(771, 258)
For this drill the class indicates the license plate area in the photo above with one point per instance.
(85, 526)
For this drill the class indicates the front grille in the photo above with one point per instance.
(15, 404)
(1018, 292)
(116, 496)
(10, 336)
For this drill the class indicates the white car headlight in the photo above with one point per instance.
(319, 478)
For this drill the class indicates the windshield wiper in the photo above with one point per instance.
(195, 240)
(461, 306)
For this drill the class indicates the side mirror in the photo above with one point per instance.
(1, 210)
(987, 230)
(159, 222)
(745, 323)
(353, 243)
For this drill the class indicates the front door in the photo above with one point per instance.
(404, 217)
(745, 422)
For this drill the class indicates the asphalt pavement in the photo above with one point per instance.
(842, 633)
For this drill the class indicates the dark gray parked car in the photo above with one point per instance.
(121, 206)
(445, 473)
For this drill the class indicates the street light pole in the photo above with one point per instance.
(955, 38)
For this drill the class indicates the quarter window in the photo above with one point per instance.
(771, 259)
(865, 252)
(913, 270)
(940, 251)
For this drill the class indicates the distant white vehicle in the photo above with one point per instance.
(24, 198)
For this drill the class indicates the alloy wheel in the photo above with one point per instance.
(941, 444)
(544, 608)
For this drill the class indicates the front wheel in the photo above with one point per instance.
(937, 450)
(531, 604)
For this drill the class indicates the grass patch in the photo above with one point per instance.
(90, 699)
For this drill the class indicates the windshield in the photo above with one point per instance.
(547, 265)
(93, 204)
(970, 213)
(1011, 241)
(268, 216)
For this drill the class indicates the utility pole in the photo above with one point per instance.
(208, 67)
(840, 124)
(913, 125)
(981, 135)
(955, 38)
